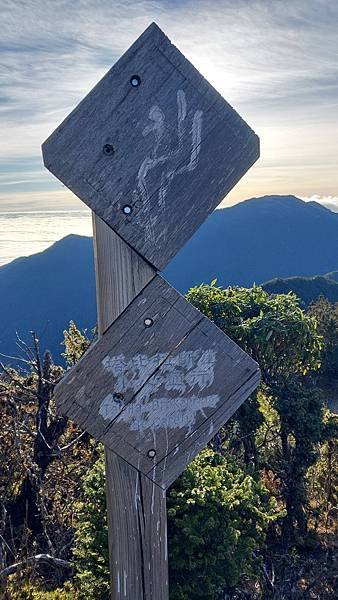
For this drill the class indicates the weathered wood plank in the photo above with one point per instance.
(143, 390)
(138, 535)
(117, 263)
(136, 506)
(176, 148)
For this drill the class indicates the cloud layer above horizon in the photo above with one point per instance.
(275, 62)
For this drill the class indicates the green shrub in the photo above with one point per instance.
(91, 556)
(217, 519)
(32, 592)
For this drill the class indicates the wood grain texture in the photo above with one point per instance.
(147, 392)
(137, 521)
(138, 534)
(178, 148)
(118, 263)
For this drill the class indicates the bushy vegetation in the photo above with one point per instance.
(91, 559)
(252, 517)
(32, 592)
(218, 516)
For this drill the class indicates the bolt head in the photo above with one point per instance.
(135, 81)
(127, 209)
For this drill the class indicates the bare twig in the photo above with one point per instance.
(16, 358)
(57, 562)
(73, 442)
(25, 349)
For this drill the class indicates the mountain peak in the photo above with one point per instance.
(269, 236)
(276, 201)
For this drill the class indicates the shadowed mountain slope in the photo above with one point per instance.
(306, 288)
(257, 240)
(44, 291)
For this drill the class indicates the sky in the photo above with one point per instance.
(275, 61)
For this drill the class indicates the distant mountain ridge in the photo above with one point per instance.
(255, 241)
(308, 289)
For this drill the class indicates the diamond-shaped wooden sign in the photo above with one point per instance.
(152, 149)
(159, 384)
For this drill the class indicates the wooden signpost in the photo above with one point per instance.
(152, 150)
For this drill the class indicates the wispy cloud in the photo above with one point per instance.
(43, 200)
(276, 62)
(330, 202)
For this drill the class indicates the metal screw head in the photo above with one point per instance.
(151, 453)
(127, 209)
(135, 81)
(148, 322)
(108, 149)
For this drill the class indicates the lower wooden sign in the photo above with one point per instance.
(159, 384)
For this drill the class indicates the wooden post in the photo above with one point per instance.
(136, 506)
(152, 150)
